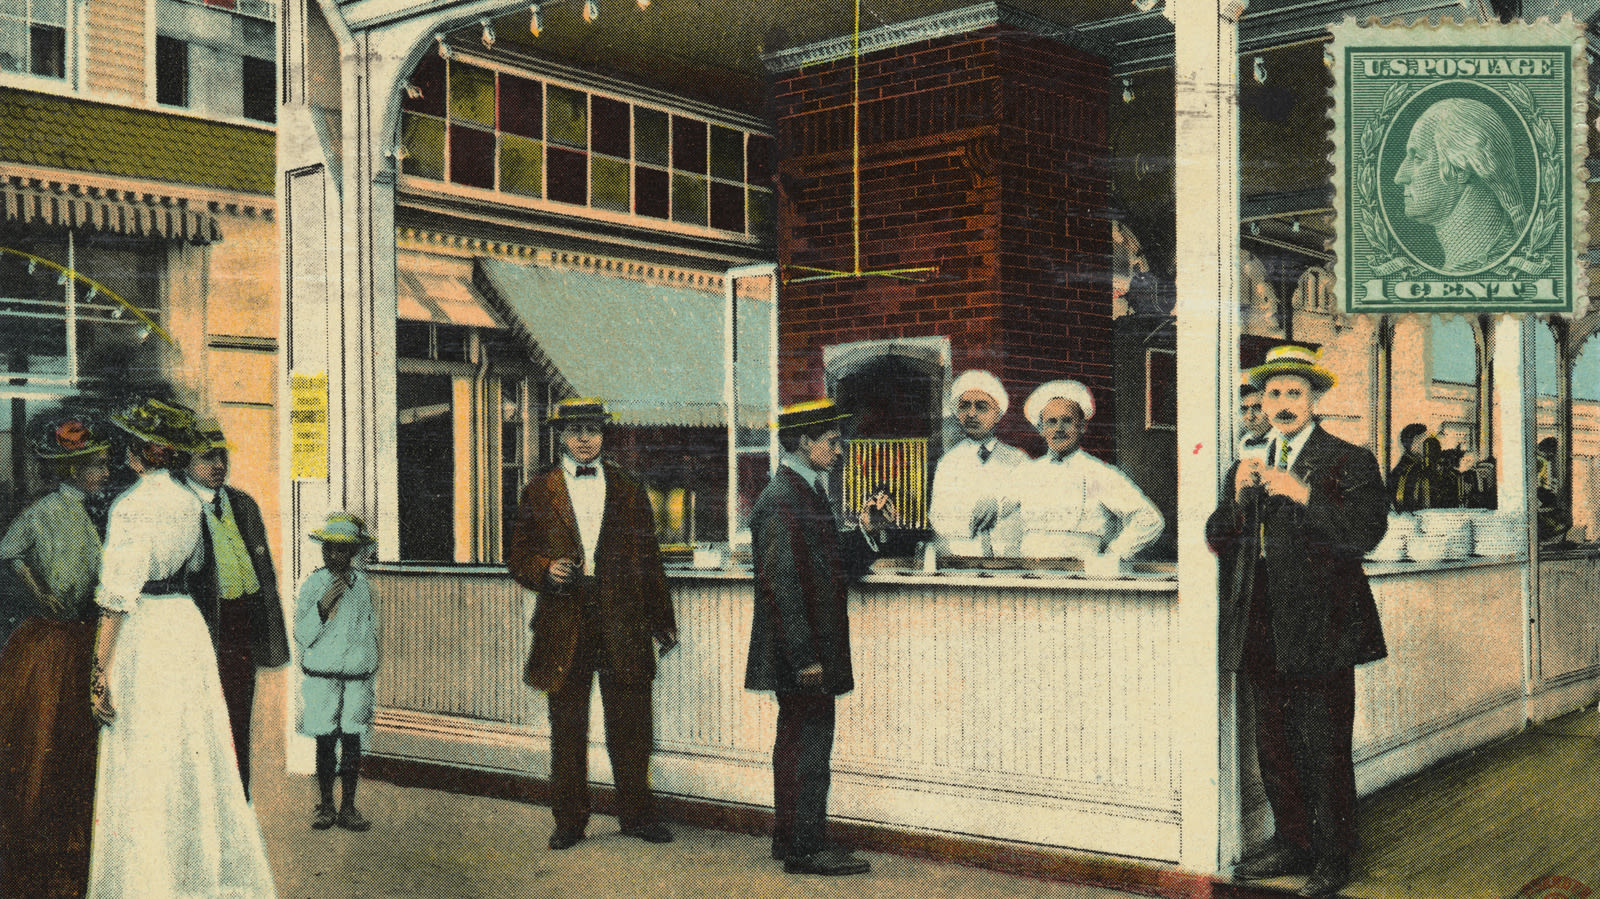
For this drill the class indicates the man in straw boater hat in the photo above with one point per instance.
(800, 636)
(585, 541)
(239, 594)
(336, 627)
(1297, 615)
(47, 733)
(972, 473)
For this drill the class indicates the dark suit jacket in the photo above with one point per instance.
(268, 638)
(803, 568)
(1323, 615)
(634, 600)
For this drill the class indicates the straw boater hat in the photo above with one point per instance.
(980, 380)
(211, 430)
(579, 409)
(66, 438)
(1294, 360)
(1071, 391)
(166, 424)
(810, 412)
(343, 528)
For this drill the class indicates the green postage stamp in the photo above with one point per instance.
(1458, 161)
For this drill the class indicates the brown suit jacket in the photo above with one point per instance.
(632, 592)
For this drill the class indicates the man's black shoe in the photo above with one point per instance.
(1327, 878)
(829, 862)
(1274, 862)
(566, 837)
(654, 832)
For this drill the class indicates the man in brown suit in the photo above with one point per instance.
(585, 540)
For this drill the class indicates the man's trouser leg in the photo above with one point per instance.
(1321, 720)
(801, 771)
(236, 668)
(569, 741)
(630, 732)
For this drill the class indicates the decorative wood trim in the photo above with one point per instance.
(418, 240)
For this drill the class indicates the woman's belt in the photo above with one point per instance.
(174, 584)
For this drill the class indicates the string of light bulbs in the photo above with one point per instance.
(590, 12)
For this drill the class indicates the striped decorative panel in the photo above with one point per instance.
(902, 464)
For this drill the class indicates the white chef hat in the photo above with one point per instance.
(977, 379)
(1071, 391)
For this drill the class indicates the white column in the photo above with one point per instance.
(1206, 156)
(1516, 385)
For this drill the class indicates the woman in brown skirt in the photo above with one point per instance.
(47, 729)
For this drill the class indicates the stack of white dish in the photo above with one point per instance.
(1446, 534)
(1392, 548)
(1498, 534)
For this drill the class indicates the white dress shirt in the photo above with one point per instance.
(1079, 506)
(1275, 451)
(588, 496)
(963, 482)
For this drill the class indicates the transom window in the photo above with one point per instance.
(543, 140)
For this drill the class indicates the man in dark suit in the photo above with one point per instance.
(238, 589)
(585, 541)
(800, 636)
(1297, 615)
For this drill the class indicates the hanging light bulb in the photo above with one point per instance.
(413, 92)
(1295, 227)
(1144, 5)
(33, 265)
(61, 280)
(535, 20)
(1259, 71)
(591, 11)
(93, 292)
(644, 5)
(488, 33)
(1127, 90)
(117, 312)
(1255, 228)
(444, 49)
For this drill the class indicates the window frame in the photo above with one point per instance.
(72, 48)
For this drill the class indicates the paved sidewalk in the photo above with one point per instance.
(429, 844)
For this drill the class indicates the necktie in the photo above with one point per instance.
(216, 504)
(1283, 455)
(586, 471)
(983, 454)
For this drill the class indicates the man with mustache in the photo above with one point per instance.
(972, 473)
(1297, 615)
(1071, 504)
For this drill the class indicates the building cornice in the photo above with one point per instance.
(945, 24)
(113, 187)
(422, 240)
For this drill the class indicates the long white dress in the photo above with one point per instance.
(171, 820)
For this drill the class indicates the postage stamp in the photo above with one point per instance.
(1458, 157)
(1555, 887)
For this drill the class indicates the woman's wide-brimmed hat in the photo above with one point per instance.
(1294, 360)
(67, 437)
(587, 409)
(343, 528)
(167, 424)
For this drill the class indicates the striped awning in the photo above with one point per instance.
(27, 201)
(430, 288)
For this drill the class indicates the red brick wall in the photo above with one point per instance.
(983, 155)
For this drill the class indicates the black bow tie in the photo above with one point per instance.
(983, 454)
(587, 471)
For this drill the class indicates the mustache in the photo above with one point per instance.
(1285, 416)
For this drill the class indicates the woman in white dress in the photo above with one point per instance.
(171, 820)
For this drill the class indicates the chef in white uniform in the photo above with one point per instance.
(1070, 504)
(973, 473)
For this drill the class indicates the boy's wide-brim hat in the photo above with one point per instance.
(67, 438)
(343, 528)
(588, 409)
(1294, 360)
(167, 424)
(211, 430)
(811, 412)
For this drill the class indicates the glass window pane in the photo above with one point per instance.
(758, 161)
(609, 184)
(650, 136)
(260, 89)
(13, 45)
(651, 193)
(727, 153)
(727, 206)
(568, 117)
(49, 46)
(1454, 351)
(521, 106)
(172, 71)
(608, 128)
(761, 214)
(412, 339)
(1586, 371)
(50, 12)
(471, 94)
(689, 199)
(423, 138)
(425, 457)
(569, 176)
(689, 145)
(521, 166)
(428, 78)
(1547, 374)
(471, 156)
(14, 8)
